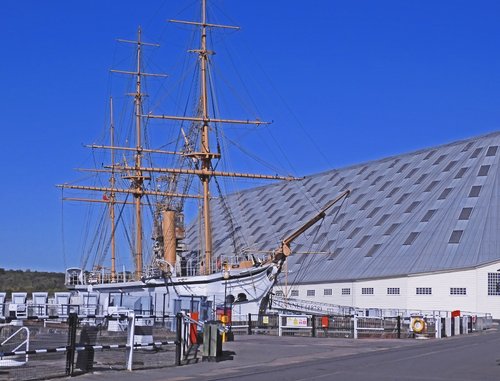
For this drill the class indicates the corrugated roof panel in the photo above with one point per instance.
(453, 197)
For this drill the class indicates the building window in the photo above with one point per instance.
(483, 170)
(391, 229)
(450, 165)
(465, 214)
(428, 215)
(366, 204)
(376, 180)
(402, 198)
(429, 155)
(492, 151)
(295, 293)
(461, 172)
(466, 148)
(439, 160)
(493, 283)
(421, 178)
(392, 192)
(362, 241)
(279, 293)
(455, 236)
(444, 194)
(411, 173)
(476, 152)
(412, 206)
(386, 184)
(431, 186)
(373, 250)
(354, 232)
(346, 225)
(393, 291)
(346, 291)
(411, 238)
(424, 291)
(458, 291)
(327, 292)
(311, 292)
(356, 200)
(474, 191)
(403, 167)
(374, 211)
(382, 219)
(367, 291)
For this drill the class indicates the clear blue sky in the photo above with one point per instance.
(365, 80)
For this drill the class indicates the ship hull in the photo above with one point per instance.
(241, 289)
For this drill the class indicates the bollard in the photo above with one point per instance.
(178, 340)
(399, 327)
(70, 354)
(355, 326)
(313, 326)
(130, 340)
(212, 342)
(249, 324)
(88, 338)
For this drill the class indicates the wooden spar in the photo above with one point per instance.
(128, 191)
(143, 150)
(102, 201)
(203, 172)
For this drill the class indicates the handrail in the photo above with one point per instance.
(25, 342)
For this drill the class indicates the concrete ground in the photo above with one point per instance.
(260, 357)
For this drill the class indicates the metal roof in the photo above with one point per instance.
(431, 210)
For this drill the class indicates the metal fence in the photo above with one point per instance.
(44, 349)
(358, 327)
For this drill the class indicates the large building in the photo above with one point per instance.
(419, 230)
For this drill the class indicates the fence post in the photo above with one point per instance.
(130, 340)
(178, 340)
(70, 353)
(355, 326)
(399, 327)
(249, 324)
(313, 326)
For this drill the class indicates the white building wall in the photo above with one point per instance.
(475, 281)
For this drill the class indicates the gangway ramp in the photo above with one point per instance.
(310, 307)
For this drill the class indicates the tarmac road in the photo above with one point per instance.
(259, 357)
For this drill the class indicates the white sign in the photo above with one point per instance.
(296, 321)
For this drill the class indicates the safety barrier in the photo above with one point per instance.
(85, 344)
(354, 326)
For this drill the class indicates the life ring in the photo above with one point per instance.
(418, 325)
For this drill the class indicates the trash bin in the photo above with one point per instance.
(212, 342)
(85, 359)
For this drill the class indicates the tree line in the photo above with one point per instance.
(30, 281)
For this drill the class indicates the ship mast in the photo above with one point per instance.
(206, 159)
(112, 197)
(139, 179)
(205, 155)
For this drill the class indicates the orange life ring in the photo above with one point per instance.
(418, 325)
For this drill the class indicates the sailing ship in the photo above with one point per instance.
(171, 275)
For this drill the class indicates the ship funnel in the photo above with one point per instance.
(169, 239)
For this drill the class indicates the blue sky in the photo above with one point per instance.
(343, 81)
